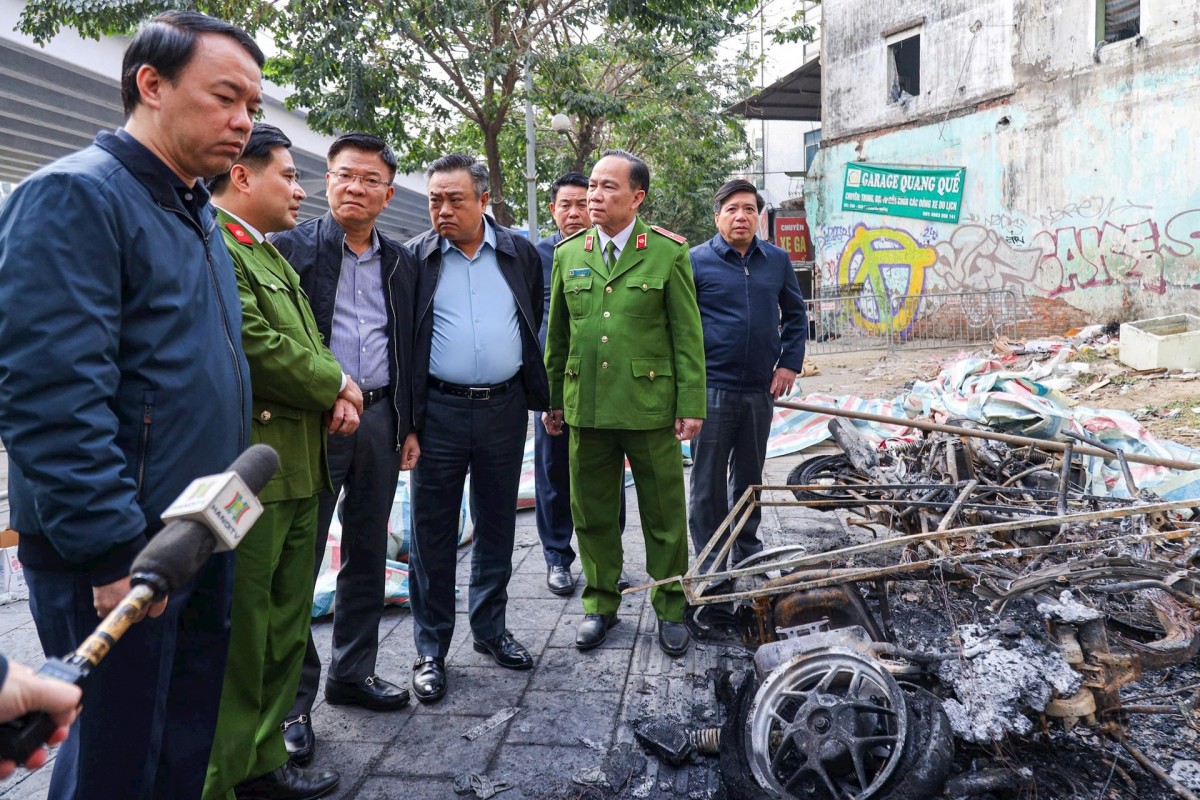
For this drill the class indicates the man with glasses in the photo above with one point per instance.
(360, 284)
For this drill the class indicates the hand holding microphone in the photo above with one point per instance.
(214, 511)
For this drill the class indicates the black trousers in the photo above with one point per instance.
(367, 464)
(486, 438)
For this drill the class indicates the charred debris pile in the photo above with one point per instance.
(995, 629)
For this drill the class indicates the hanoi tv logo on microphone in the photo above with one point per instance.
(237, 508)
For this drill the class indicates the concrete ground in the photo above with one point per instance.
(572, 707)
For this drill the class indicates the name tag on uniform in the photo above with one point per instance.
(579, 273)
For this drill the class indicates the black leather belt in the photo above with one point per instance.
(473, 392)
(372, 396)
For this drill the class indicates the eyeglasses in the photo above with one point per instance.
(342, 177)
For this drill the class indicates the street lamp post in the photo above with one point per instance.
(530, 156)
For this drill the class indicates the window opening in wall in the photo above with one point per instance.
(812, 140)
(1122, 19)
(904, 69)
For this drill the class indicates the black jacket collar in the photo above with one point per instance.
(430, 242)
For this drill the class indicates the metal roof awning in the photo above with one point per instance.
(796, 97)
(49, 108)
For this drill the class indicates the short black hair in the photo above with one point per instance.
(369, 143)
(567, 179)
(461, 161)
(167, 42)
(264, 139)
(639, 173)
(733, 187)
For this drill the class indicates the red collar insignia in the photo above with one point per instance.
(239, 233)
(641, 241)
(587, 243)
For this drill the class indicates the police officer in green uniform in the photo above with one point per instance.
(625, 357)
(296, 380)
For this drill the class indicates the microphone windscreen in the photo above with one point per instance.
(256, 466)
(173, 555)
(177, 552)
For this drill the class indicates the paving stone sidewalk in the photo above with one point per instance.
(573, 707)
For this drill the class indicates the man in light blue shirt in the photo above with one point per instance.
(477, 371)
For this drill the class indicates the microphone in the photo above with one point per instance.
(213, 512)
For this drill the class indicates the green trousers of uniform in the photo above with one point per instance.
(597, 459)
(272, 611)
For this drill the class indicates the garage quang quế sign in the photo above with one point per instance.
(933, 193)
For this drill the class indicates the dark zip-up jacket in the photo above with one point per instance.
(522, 270)
(742, 303)
(314, 248)
(122, 376)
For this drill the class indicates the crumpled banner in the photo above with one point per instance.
(984, 391)
(399, 536)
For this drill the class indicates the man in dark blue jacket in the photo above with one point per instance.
(551, 467)
(746, 288)
(477, 371)
(551, 475)
(122, 378)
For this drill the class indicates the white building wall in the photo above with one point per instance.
(1080, 191)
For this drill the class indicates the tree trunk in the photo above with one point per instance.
(500, 207)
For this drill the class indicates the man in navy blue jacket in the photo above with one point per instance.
(122, 378)
(551, 477)
(746, 289)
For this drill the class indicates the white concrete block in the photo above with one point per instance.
(1172, 342)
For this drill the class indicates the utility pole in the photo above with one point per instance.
(530, 156)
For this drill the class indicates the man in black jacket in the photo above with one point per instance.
(477, 369)
(360, 284)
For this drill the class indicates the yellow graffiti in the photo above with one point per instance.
(871, 257)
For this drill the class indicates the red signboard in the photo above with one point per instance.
(791, 233)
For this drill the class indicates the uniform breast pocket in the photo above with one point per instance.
(278, 304)
(644, 296)
(578, 292)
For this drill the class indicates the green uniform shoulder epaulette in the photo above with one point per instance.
(669, 234)
(569, 238)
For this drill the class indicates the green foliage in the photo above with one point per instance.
(433, 76)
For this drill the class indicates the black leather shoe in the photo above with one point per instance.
(507, 651)
(429, 679)
(560, 580)
(288, 782)
(594, 630)
(372, 693)
(298, 739)
(623, 582)
(673, 638)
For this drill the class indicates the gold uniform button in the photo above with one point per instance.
(651, 374)
(604, 365)
(604, 339)
(644, 286)
(265, 415)
(608, 290)
(607, 313)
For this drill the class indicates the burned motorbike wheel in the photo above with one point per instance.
(829, 723)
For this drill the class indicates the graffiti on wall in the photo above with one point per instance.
(886, 267)
(1086, 246)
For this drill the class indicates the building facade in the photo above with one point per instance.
(1068, 123)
